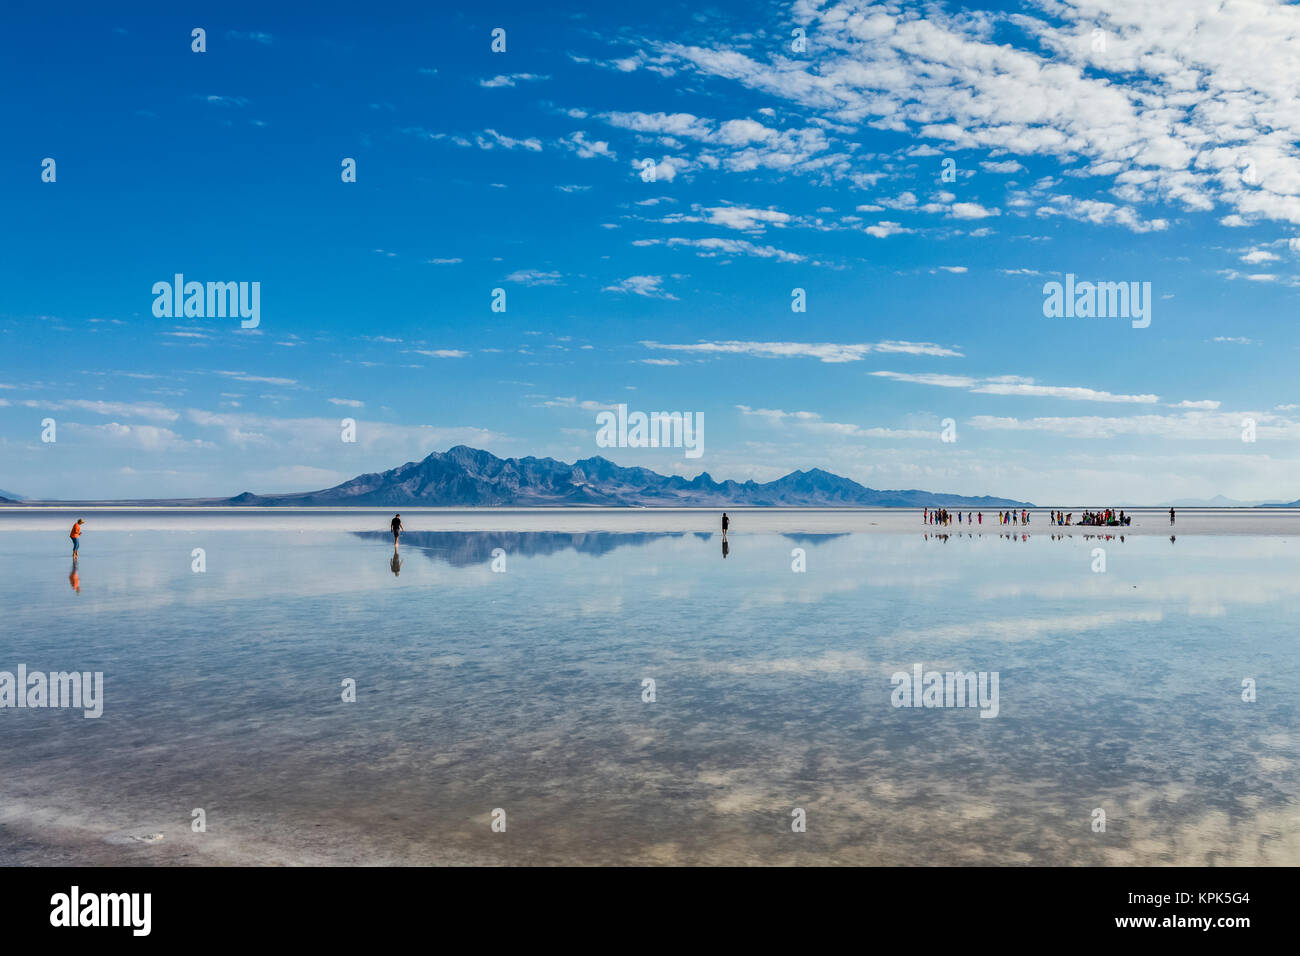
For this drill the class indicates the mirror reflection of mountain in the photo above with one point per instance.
(464, 548)
(803, 537)
(807, 537)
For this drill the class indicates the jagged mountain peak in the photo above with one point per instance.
(471, 477)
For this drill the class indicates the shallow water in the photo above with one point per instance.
(522, 690)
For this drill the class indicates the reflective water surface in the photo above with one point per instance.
(522, 689)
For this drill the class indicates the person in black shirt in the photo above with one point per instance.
(396, 525)
(726, 522)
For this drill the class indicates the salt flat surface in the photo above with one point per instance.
(1248, 521)
(505, 667)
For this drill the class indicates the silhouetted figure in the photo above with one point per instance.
(726, 548)
(726, 522)
(395, 565)
(396, 525)
(1171, 515)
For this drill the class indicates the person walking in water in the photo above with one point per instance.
(75, 534)
(1171, 515)
(396, 525)
(726, 522)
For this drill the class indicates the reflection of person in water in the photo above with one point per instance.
(74, 578)
(395, 565)
(396, 525)
(726, 548)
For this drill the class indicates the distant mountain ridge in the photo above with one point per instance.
(469, 477)
(1218, 501)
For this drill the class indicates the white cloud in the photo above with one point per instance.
(534, 277)
(585, 148)
(146, 410)
(1199, 425)
(1182, 98)
(714, 246)
(510, 79)
(823, 351)
(744, 218)
(149, 438)
(884, 229)
(263, 379)
(1015, 385)
(972, 210)
(300, 437)
(814, 423)
(647, 286)
(490, 139)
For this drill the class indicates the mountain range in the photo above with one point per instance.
(469, 477)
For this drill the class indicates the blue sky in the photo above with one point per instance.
(1120, 142)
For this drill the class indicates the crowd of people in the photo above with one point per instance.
(942, 516)
(1097, 519)
(1107, 518)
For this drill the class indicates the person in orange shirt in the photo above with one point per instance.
(76, 534)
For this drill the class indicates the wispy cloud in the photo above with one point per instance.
(829, 352)
(1016, 385)
(534, 277)
(814, 423)
(264, 379)
(714, 247)
(647, 286)
(256, 36)
(510, 79)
